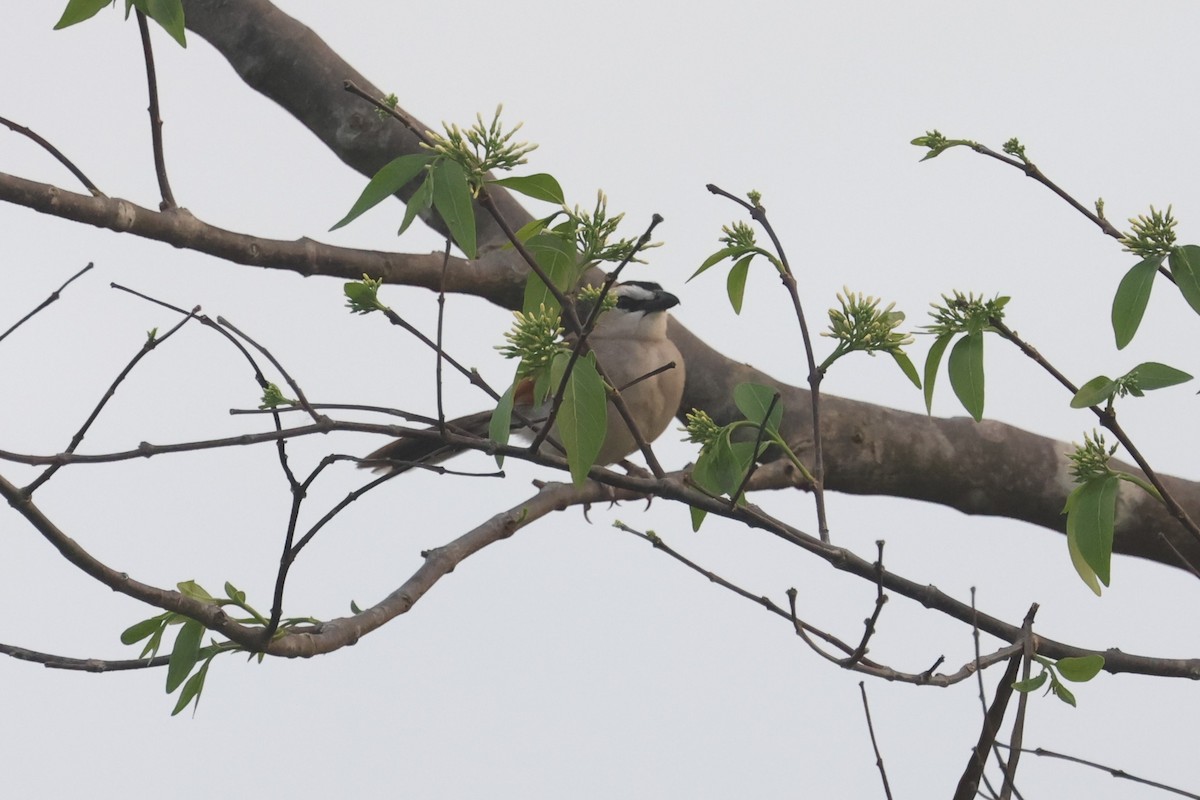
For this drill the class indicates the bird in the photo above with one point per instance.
(630, 342)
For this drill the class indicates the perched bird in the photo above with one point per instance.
(630, 341)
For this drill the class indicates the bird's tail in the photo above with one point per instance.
(407, 452)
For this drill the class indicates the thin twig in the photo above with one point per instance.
(1028, 649)
(1113, 771)
(52, 661)
(160, 163)
(52, 298)
(869, 623)
(887, 790)
(54, 151)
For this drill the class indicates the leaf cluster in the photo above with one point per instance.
(167, 13)
(969, 318)
(1079, 669)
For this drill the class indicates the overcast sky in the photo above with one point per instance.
(573, 660)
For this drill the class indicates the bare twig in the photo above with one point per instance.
(887, 790)
(54, 151)
(51, 661)
(52, 298)
(1113, 771)
(1028, 649)
(969, 781)
(869, 623)
(160, 163)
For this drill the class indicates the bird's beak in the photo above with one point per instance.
(662, 301)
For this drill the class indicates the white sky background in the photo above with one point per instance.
(573, 660)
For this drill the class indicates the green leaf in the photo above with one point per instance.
(1141, 483)
(153, 643)
(354, 609)
(906, 366)
(1152, 375)
(169, 15)
(140, 630)
(195, 591)
(698, 515)
(1090, 522)
(1133, 293)
(1031, 684)
(184, 653)
(1096, 391)
(452, 199)
(1185, 268)
(725, 470)
(556, 256)
(233, 593)
(540, 187)
(1086, 573)
(395, 175)
(717, 257)
(531, 228)
(1063, 693)
(932, 362)
(1080, 669)
(421, 200)
(192, 689)
(582, 417)
(500, 427)
(753, 400)
(966, 373)
(79, 10)
(735, 283)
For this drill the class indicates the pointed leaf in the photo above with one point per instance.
(1142, 483)
(421, 200)
(1063, 693)
(184, 653)
(500, 427)
(556, 256)
(906, 366)
(1080, 669)
(697, 515)
(79, 10)
(1086, 573)
(140, 630)
(1133, 293)
(1091, 521)
(717, 257)
(195, 591)
(394, 176)
(1185, 268)
(735, 283)
(1031, 684)
(932, 361)
(1152, 375)
(582, 417)
(168, 14)
(452, 199)
(1095, 392)
(540, 187)
(753, 400)
(966, 373)
(192, 690)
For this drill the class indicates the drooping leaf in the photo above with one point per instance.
(966, 373)
(169, 15)
(717, 258)
(184, 653)
(1063, 693)
(1086, 573)
(1141, 483)
(735, 284)
(582, 417)
(906, 366)
(79, 10)
(1185, 268)
(421, 200)
(500, 427)
(394, 176)
(753, 400)
(1080, 669)
(1133, 293)
(1095, 392)
(556, 256)
(932, 362)
(452, 199)
(1153, 375)
(192, 689)
(540, 187)
(1090, 521)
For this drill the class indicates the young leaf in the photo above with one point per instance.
(735, 284)
(698, 515)
(932, 362)
(726, 471)
(1031, 684)
(716, 258)
(539, 187)
(556, 256)
(195, 591)
(1129, 303)
(1152, 375)
(140, 630)
(906, 366)
(184, 653)
(1185, 268)
(79, 10)
(233, 593)
(1062, 693)
(582, 417)
(421, 200)
(1086, 573)
(1090, 522)
(192, 689)
(500, 427)
(1096, 391)
(966, 373)
(394, 176)
(753, 400)
(1080, 669)
(169, 15)
(452, 199)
